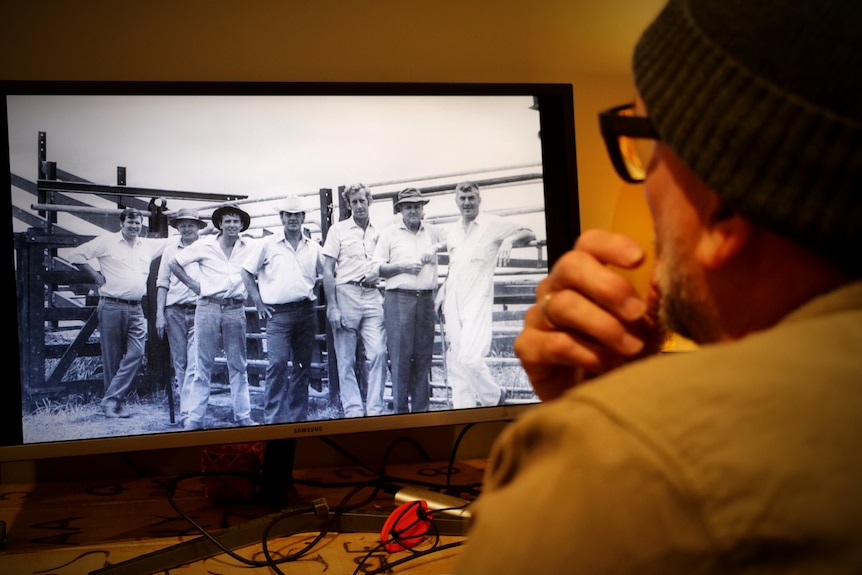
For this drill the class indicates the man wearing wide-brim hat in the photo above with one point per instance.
(406, 255)
(176, 302)
(186, 215)
(231, 209)
(220, 311)
(281, 278)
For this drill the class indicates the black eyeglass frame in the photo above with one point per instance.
(613, 125)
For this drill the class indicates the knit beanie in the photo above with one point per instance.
(762, 100)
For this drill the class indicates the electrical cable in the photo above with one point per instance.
(395, 443)
(128, 461)
(346, 453)
(453, 453)
(417, 555)
(343, 506)
(385, 477)
(227, 551)
(274, 563)
(381, 481)
(405, 537)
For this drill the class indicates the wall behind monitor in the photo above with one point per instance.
(587, 43)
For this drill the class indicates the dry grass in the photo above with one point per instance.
(77, 418)
(81, 416)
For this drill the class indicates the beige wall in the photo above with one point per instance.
(583, 42)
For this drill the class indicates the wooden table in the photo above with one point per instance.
(82, 527)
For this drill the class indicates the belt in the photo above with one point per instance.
(120, 300)
(229, 302)
(413, 292)
(185, 306)
(365, 285)
(290, 305)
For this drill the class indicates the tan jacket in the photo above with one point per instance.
(737, 458)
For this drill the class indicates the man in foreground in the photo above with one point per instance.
(124, 266)
(354, 305)
(477, 243)
(406, 255)
(740, 456)
(220, 312)
(280, 277)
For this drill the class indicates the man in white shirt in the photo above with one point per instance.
(220, 312)
(476, 244)
(176, 303)
(124, 266)
(406, 255)
(280, 278)
(354, 304)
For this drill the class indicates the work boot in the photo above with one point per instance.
(121, 410)
(191, 425)
(114, 409)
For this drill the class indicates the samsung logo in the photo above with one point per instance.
(308, 429)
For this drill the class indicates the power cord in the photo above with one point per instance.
(270, 562)
(405, 536)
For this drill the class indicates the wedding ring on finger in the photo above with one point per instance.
(543, 306)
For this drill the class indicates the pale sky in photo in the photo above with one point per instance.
(271, 146)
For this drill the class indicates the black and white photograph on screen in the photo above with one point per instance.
(110, 192)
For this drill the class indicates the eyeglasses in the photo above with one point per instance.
(627, 139)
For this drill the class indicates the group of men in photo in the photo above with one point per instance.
(383, 295)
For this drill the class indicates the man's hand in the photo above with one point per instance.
(333, 315)
(504, 254)
(160, 325)
(412, 268)
(588, 319)
(95, 274)
(439, 297)
(263, 311)
(428, 257)
(372, 276)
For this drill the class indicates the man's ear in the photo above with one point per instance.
(723, 235)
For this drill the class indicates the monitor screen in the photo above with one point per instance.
(364, 257)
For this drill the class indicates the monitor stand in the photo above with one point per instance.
(277, 487)
(277, 490)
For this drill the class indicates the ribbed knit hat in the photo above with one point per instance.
(762, 99)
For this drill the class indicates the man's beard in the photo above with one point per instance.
(674, 311)
(681, 310)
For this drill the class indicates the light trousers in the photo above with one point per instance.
(214, 322)
(362, 313)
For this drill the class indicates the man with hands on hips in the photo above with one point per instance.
(742, 456)
(124, 259)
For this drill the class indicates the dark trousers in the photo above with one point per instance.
(409, 322)
(289, 345)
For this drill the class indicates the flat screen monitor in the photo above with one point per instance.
(77, 154)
